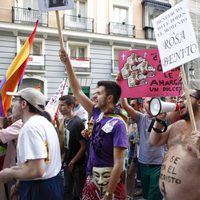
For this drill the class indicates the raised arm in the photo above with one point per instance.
(131, 111)
(124, 103)
(83, 99)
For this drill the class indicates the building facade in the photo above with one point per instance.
(94, 32)
(192, 68)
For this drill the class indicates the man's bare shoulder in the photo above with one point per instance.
(177, 132)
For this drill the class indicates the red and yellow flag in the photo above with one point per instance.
(15, 73)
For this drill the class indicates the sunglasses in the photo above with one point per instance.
(16, 99)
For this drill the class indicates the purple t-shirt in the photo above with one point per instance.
(109, 131)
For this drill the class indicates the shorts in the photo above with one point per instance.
(50, 189)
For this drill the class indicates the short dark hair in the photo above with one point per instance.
(111, 88)
(68, 99)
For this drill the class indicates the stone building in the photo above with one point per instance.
(94, 32)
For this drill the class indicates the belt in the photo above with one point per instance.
(151, 165)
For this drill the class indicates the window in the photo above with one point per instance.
(78, 52)
(33, 4)
(115, 61)
(36, 61)
(120, 14)
(37, 46)
(150, 11)
(150, 14)
(79, 9)
(80, 57)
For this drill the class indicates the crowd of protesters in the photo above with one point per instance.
(101, 148)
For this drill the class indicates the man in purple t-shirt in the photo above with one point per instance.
(109, 138)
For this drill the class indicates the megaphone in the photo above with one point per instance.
(156, 106)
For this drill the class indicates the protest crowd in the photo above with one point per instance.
(137, 137)
(107, 147)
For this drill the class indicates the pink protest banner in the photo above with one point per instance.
(143, 76)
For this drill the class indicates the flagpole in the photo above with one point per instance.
(56, 113)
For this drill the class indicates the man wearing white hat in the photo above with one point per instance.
(38, 151)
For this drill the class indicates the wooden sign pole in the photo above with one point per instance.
(187, 95)
(59, 30)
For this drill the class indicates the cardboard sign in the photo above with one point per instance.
(175, 37)
(50, 5)
(143, 76)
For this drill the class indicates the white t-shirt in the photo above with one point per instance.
(38, 139)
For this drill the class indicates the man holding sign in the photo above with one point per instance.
(179, 178)
(109, 136)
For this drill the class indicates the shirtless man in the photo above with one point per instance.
(180, 171)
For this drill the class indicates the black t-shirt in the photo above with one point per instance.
(72, 136)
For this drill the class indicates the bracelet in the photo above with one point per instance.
(160, 121)
(156, 129)
(163, 124)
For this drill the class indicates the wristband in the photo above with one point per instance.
(156, 129)
(163, 124)
(160, 121)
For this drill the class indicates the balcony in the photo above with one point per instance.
(36, 64)
(29, 16)
(78, 23)
(121, 29)
(81, 65)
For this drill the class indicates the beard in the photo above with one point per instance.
(186, 115)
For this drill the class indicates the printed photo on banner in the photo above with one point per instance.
(50, 5)
(175, 37)
(143, 76)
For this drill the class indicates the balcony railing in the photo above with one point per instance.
(78, 23)
(115, 68)
(81, 65)
(36, 63)
(122, 29)
(29, 16)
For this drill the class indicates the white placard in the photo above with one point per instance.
(50, 5)
(175, 37)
